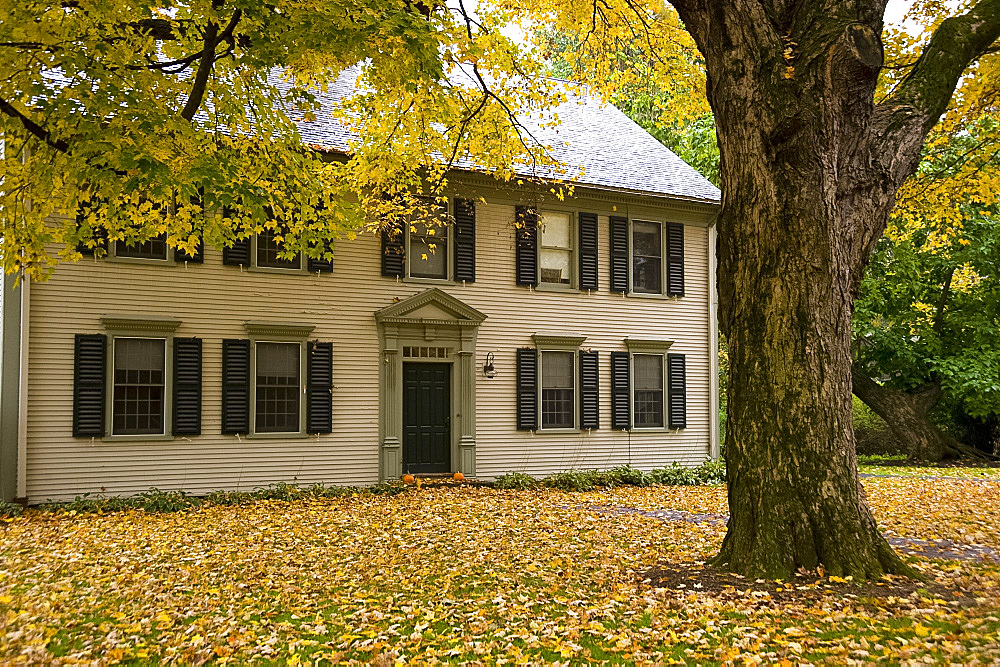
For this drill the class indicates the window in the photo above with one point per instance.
(277, 385)
(268, 249)
(555, 257)
(154, 248)
(557, 384)
(428, 254)
(647, 257)
(139, 376)
(647, 398)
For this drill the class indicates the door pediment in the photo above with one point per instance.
(433, 306)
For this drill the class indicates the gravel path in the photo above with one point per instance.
(931, 477)
(911, 545)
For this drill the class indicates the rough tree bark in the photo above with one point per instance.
(906, 415)
(810, 167)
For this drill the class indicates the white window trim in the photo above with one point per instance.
(167, 260)
(301, 432)
(576, 392)
(663, 390)
(449, 259)
(650, 346)
(574, 250)
(559, 342)
(278, 332)
(663, 259)
(140, 326)
(302, 267)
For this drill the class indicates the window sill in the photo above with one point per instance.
(276, 436)
(140, 260)
(557, 431)
(662, 297)
(552, 287)
(138, 438)
(271, 269)
(430, 281)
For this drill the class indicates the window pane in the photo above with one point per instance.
(555, 266)
(648, 381)
(268, 249)
(428, 251)
(154, 248)
(557, 389)
(139, 386)
(556, 255)
(556, 231)
(647, 261)
(278, 388)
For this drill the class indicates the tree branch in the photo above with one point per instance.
(943, 302)
(201, 76)
(34, 128)
(212, 40)
(925, 92)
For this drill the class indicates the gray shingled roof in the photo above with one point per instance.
(600, 146)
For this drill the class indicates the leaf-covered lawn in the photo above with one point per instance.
(471, 574)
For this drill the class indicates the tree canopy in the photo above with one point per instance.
(161, 110)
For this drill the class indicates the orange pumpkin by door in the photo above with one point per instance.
(458, 477)
(407, 479)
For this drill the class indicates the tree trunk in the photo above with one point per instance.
(809, 169)
(906, 415)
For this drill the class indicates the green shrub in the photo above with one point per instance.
(675, 475)
(573, 480)
(712, 471)
(517, 481)
(624, 476)
(8, 510)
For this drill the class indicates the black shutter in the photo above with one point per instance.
(588, 250)
(620, 412)
(187, 386)
(198, 257)
(315, 264)
(319, 388)
(589, 390)
(527, 389)
(465, 240)
(675, 258)
(619, 254)
(526, 232)
(393, 250)
(235, 386)
(238, 253)
(89, 369)
(676, 391)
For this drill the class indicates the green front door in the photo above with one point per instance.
(426, 417)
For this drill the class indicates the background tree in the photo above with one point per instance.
(926, 325)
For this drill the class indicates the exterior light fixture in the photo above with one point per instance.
(489, 370)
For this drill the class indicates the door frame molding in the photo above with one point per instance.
(432, 318)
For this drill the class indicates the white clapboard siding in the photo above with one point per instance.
(213, 301)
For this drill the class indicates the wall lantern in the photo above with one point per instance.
(489, 370)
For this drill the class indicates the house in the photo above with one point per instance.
(586, 340)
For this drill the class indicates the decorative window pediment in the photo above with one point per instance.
(433, 306)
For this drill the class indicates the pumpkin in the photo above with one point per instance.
(407, 479)
(458, 477)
